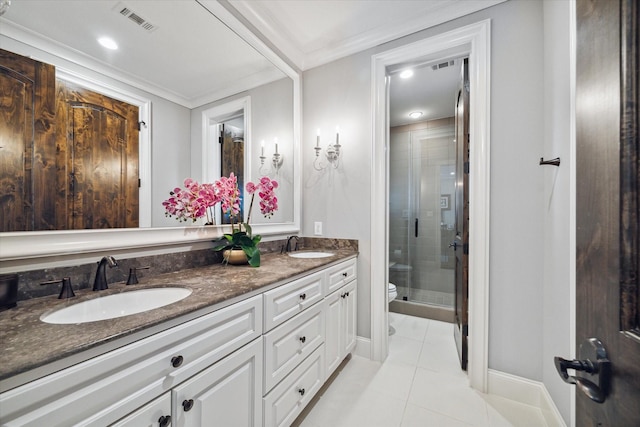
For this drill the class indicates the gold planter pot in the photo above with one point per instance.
(234, 256)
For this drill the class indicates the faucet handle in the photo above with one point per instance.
(133, 277)
(66, 291)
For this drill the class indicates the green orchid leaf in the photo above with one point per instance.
(253, 256)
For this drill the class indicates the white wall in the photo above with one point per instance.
(558, 199)
(340, 93)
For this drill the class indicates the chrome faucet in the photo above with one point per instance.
(288, 246)
(100, 283)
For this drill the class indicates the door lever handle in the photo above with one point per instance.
(599, 367)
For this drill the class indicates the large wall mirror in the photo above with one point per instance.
(178, 62)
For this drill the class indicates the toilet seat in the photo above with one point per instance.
(393, 293)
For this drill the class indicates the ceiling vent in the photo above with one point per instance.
(441, 65)
(134, 17)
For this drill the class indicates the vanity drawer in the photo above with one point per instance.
(284, 302)
(341, 274)
(103, 389)
(287, 400)
(290, 343)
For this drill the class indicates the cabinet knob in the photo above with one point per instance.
(345, 274)
(301, 391)
(303, 296)
(187, 405)
(303, 339)
(176, 361)
(164, 420)
(344, 295)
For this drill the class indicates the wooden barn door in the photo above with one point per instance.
(27, 148)
(97, 140)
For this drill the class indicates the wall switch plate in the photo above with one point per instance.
(317, 228)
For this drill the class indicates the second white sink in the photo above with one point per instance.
(310, 254)
(116, 305)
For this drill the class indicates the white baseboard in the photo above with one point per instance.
(363, 347)
(526, 391)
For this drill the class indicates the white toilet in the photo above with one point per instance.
(392, 294)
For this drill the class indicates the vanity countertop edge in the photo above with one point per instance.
(33, 349)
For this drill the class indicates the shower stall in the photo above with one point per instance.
(421, 218)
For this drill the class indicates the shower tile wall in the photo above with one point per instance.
(430, 277)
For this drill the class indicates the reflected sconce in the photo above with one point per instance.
(276, 160)
(332, 153)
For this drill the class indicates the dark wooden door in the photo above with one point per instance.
(27, 146)
(607, 236)
(461, 242)
(232, 160)
(97, 141)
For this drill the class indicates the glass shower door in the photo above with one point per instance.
(431, 194)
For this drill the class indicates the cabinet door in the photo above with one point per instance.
(229, 393)
(155, 414)
(333, 347)
(350, 305)
(341, 325)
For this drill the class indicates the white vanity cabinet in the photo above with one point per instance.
(255, 363)
(304, 343)
(104, 389)
(340, 303)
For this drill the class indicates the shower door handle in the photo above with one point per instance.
(453, 245)
(416, 226)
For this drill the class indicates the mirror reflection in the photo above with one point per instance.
(175, 62)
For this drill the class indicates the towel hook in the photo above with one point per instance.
(553, 162)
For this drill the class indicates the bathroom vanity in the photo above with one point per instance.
(248, 347)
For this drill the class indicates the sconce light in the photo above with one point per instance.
(276, 160)
(332, 153)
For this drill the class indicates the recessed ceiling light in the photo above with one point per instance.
(415, 114)
(406, 74)
(108, 43)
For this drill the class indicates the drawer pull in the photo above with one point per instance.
(303, 296)
(345, 274)
(346, 294)
(187, 405)
(176, 361)
(303, 339)
(164, 420)
(301, 391)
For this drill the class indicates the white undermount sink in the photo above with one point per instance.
(310, 254)
(116, 305)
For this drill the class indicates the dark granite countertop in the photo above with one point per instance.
(29, 345)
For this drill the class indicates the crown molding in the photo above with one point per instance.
(264, 17)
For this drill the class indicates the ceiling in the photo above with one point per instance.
(175, 49)
(169, 60)
(314, 32)
(311, 33)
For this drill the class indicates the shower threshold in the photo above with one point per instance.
(427, 311)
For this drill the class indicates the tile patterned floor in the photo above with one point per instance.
(420, 384)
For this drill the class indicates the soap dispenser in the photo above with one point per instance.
(8, 291)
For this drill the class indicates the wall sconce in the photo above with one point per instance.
(276, 160)
(332, 154)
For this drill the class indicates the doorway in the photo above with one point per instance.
(472, 41)
(422, 183)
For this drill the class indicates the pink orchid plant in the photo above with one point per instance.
(193, 202)
(196, 201)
